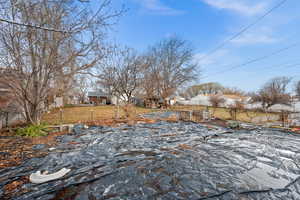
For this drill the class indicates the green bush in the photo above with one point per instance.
(33, 131)
(233, 124)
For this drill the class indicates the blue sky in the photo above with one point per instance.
(206, 23)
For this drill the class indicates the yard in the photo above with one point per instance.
(154, 154)
(70, 115)
(83, 114)
(241, 115)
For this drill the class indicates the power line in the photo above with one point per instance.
(284, 66)
(280, 66)
(39, 27)
(33, 26)
(222, 44)
(255, 59)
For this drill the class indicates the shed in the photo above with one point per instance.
(98, 98)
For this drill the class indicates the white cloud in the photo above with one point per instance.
(243, 7)
(220, 60)
(157, 7)
(262, 35)
(217, 60)
(255, 39)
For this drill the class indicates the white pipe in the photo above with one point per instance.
(38, 177)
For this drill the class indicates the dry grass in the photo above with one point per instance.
(224, 113)
(100, 113)
(83, 114)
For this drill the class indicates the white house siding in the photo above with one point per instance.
(204, 101)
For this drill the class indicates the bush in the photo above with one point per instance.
(33, 131)
(233, 124)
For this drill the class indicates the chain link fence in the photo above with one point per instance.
(8, 119)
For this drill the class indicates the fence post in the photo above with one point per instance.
(6, 120)
(117, 112)
(235, 113)
(284, 117)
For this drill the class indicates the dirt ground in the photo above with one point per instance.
(16, 149)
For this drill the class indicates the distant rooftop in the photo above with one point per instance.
(97, 94)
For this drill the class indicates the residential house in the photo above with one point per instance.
(98, 98)
(174, 99)
(10, 112)
(155, 102)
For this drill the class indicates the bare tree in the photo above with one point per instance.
(81, 88)
(273, 92)
(170, 64)
(120, 73)
(205, 88)
(190, 92)
(211, 88)
(238, 104)
(237, 107)
(216, 100)
(233, 91)
(151, 77)
(36, 60)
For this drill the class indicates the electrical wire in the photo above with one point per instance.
(222, 44)
(255, 60)
(33, 26)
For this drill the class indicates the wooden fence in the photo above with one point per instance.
(194, 115)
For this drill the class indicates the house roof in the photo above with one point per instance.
(97, 94)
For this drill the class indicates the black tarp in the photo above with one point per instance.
(179, 160)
